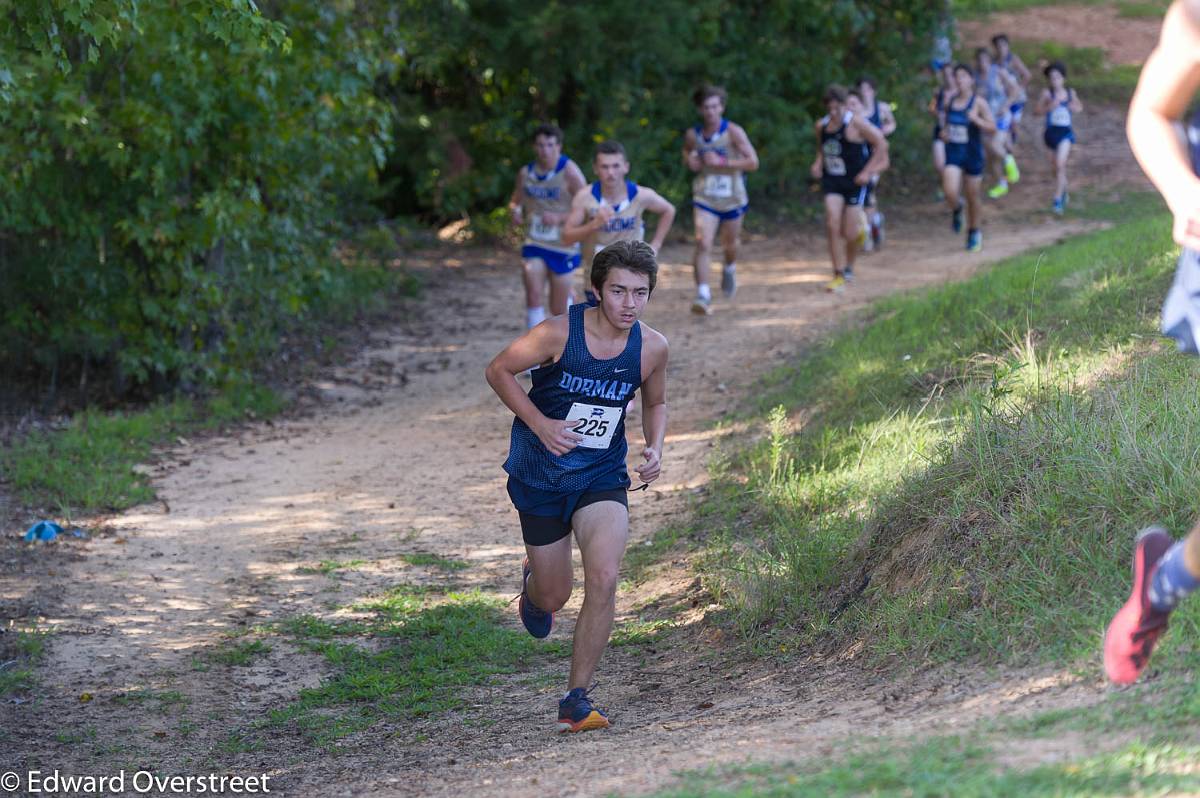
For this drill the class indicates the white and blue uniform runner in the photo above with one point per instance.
(1058, 123)
(547, 194)
(719, 192)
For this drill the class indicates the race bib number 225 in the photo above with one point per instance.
(595, 423)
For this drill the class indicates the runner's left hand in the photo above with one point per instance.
(861, 179)
(648, 471)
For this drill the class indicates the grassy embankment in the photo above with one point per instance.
(960, 479)
(1127, 9)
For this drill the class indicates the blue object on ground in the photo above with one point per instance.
(48, 530)
(43, 530)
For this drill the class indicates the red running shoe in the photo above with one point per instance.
(1135, 628)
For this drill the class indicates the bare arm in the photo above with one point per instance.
(575, 178)
(1012, 89)
(655, 203)
(1044, 102)
(542, 344)
(654, 406)
(575, 182)
(577, 227)
(818, 165)
(690, 159)
(1169, 80)
(879, 160)
(515, 211)
(887, 119)
(981, 115)
(747, 158)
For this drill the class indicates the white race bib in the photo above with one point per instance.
(540, 231)
(595, 423)
(835, 166)
(1060, 116)
(957, 134)
(718, 185)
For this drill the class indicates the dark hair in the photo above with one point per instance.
(1055, 66)
(610, 147)
(983, 51)
(549, 131)
(1000, 37)
(867, 80)
(855, 93)
(835, 92)
(961, 66)
(700, 95)
(636, 256)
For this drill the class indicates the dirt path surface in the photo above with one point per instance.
(1124, 40)
(404, 457)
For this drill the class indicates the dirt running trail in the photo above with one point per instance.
(404, 457)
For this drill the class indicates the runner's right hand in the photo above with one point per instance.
(603, 214)
(557, 435)
(1187, 222)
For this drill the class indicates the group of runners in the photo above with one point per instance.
(587, 360)
(977, 114)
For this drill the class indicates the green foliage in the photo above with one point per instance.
(174, 180)
(472, 79)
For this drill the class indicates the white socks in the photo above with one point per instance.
(534, 316)
(703, 291)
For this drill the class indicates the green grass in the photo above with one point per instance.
(970, 466)
(88, 465)
(1161, 717)
(163, 701)
(1088, 70)
(1134, 9)
(974, 8)
(423, 559)
(640, 633)
(240, 654)
(20, 652)
(959, 767)
(330, 567)
(415, 653)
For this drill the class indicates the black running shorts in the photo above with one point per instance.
(542, 530)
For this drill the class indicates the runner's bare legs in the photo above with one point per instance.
(602, 530)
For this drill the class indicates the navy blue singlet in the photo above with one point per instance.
(579, 378)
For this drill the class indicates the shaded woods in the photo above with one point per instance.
(181, 179)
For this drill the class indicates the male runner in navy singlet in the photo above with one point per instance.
(566, 460)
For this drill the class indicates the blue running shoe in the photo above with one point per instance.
(956, 219)
(577, 713)
(974, 240)
(537, 621)
(848, 273)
